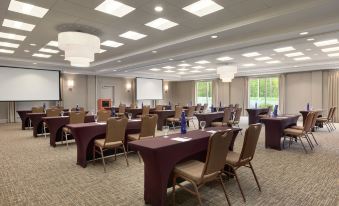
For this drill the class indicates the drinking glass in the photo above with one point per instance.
(165, 129)
(129, 116)
(96, 118)
(202, 125)
(62, 113)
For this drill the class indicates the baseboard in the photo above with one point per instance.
(3, 120)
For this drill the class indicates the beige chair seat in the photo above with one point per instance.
(66, 130)
(172, 119)
(218, 124)
(263, 115)
(101, 143)
(232, 158)
(297, 127)
(322, 119)
(193, 170)
(293, 132)
(134, 137)
(233, 122)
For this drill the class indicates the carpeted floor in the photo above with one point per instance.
(33, 173)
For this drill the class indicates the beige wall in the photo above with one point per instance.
(3, 112)
(183, 92)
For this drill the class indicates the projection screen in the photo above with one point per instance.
(149, 89)
(18, 84)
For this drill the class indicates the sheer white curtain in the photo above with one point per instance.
(282, 93)
(215, 92)
(333, 92)
(245, 101)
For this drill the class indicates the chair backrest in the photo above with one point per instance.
(231, 105)
(103, 115)
(190, 112)
(227, 115)
(333, 112)
(81, 109)
(37, 110)
(308, 121)
(145, 110)
(133, 106)
(53, 112)
(205, 107)
(236, 106)
(148, 124)
(77, 117)
(178, 111)
(314, 120)
(158, 107)
(122, 108)
(218, 146)
(115, 130)
(237, 114)
(250, 142)
(198, 108)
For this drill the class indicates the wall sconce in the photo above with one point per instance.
(166, 88)
(70, 84)
(128, 87)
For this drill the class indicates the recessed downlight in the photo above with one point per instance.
(158, 9)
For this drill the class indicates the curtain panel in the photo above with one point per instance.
(282, 93)
(333, 92)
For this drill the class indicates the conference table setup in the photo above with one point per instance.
(253, 114)
(24, 118)
(209, 117)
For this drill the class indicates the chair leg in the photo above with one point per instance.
(173, 190)
(139, 156)
(255, 176)
(115, 153)
(224, 188)
(44, 128)
(62, 137)
(333, 124)
(327, 127)
(283, 143)
(93, 154)
(309, 141)
(314, 138)
(197, 193)
(123, 147)
(303, 145)
(237, 179)
(66, 140)
(103, 159)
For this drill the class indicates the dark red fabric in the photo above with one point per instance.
(253, 114)
(210, 117)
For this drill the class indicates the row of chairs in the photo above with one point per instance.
(177, 116)
(329, 120)
(218, 155)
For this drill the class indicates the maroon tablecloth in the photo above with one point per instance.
(274, 129)
(162, 116)
(160, 155)
(24, 118)
(85, 134)
(55, 125)
(210, 117)
(253, 114)
(36, 119)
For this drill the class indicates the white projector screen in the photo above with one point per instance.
(149, 89)
(18, 84)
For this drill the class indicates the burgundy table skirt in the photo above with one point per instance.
(24, 118)
(253, 114)
(210, 117)
(55, 125)
(85, 134)
(160, 155)
(274, 129)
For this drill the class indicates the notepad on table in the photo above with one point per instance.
(181, 139)
(211, 131)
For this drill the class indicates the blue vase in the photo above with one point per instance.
(220, 104)
(275, 111)
(256, 105)
(183, 123)
(308, 106)
(112, 112)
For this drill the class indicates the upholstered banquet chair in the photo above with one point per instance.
(265, 115)
(190, 115)
(326, 120)
(237, 160)
(145, 111)
(80, 109)
(314, 120)
(176, 118)
(74, 118)
(226, 118)
(205, 108)
(50, 113)
(158, 107)
(37, 110)
(198, 173)
(115, 135)
(103, 115)
(299, 133)
(236, 120)
(198, 108)
(133, 106)
(121, 111)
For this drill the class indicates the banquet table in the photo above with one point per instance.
(209, 117)
(304, 114)
(55, 125)
(274, 129)
(85, 134)
(24, 118)
(160, 155)
(162, 116)
(253, 113)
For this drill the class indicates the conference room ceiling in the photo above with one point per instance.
(242, 26)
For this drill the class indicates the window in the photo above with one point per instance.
(203, 92)
(263, 91)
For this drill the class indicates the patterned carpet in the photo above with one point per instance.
(33, 173)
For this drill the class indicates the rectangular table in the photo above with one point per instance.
(55, 125)
(210, 117)
(85, 134)
(274, 129)
(160, 155)
(24, 118)
(253, 113)
(162, 116)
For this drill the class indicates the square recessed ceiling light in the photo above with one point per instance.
(326, 42)
(12, 36)
(184, 65)
(331, 49)
(273, 62)
(251, 54)
(210, 69)
(302, 58)
(284, 49)
(18, 25)
(114, 8)
(203, 7)
(182, 69)
(111, 43)
(226, 58)
(28, 9)
(41, 55)
(181, 73)
(52, 51)
(8, 44)
(198, 67)
(295, 54)
(168, 67)
(155, 69)
(195, 71)
(202, 62)
(333, 55)
(53, 43)
(132, 35)
(169, 71)
(248, 65)
(263, 58)
(7, 51)
(102, 51)
(161, 24)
